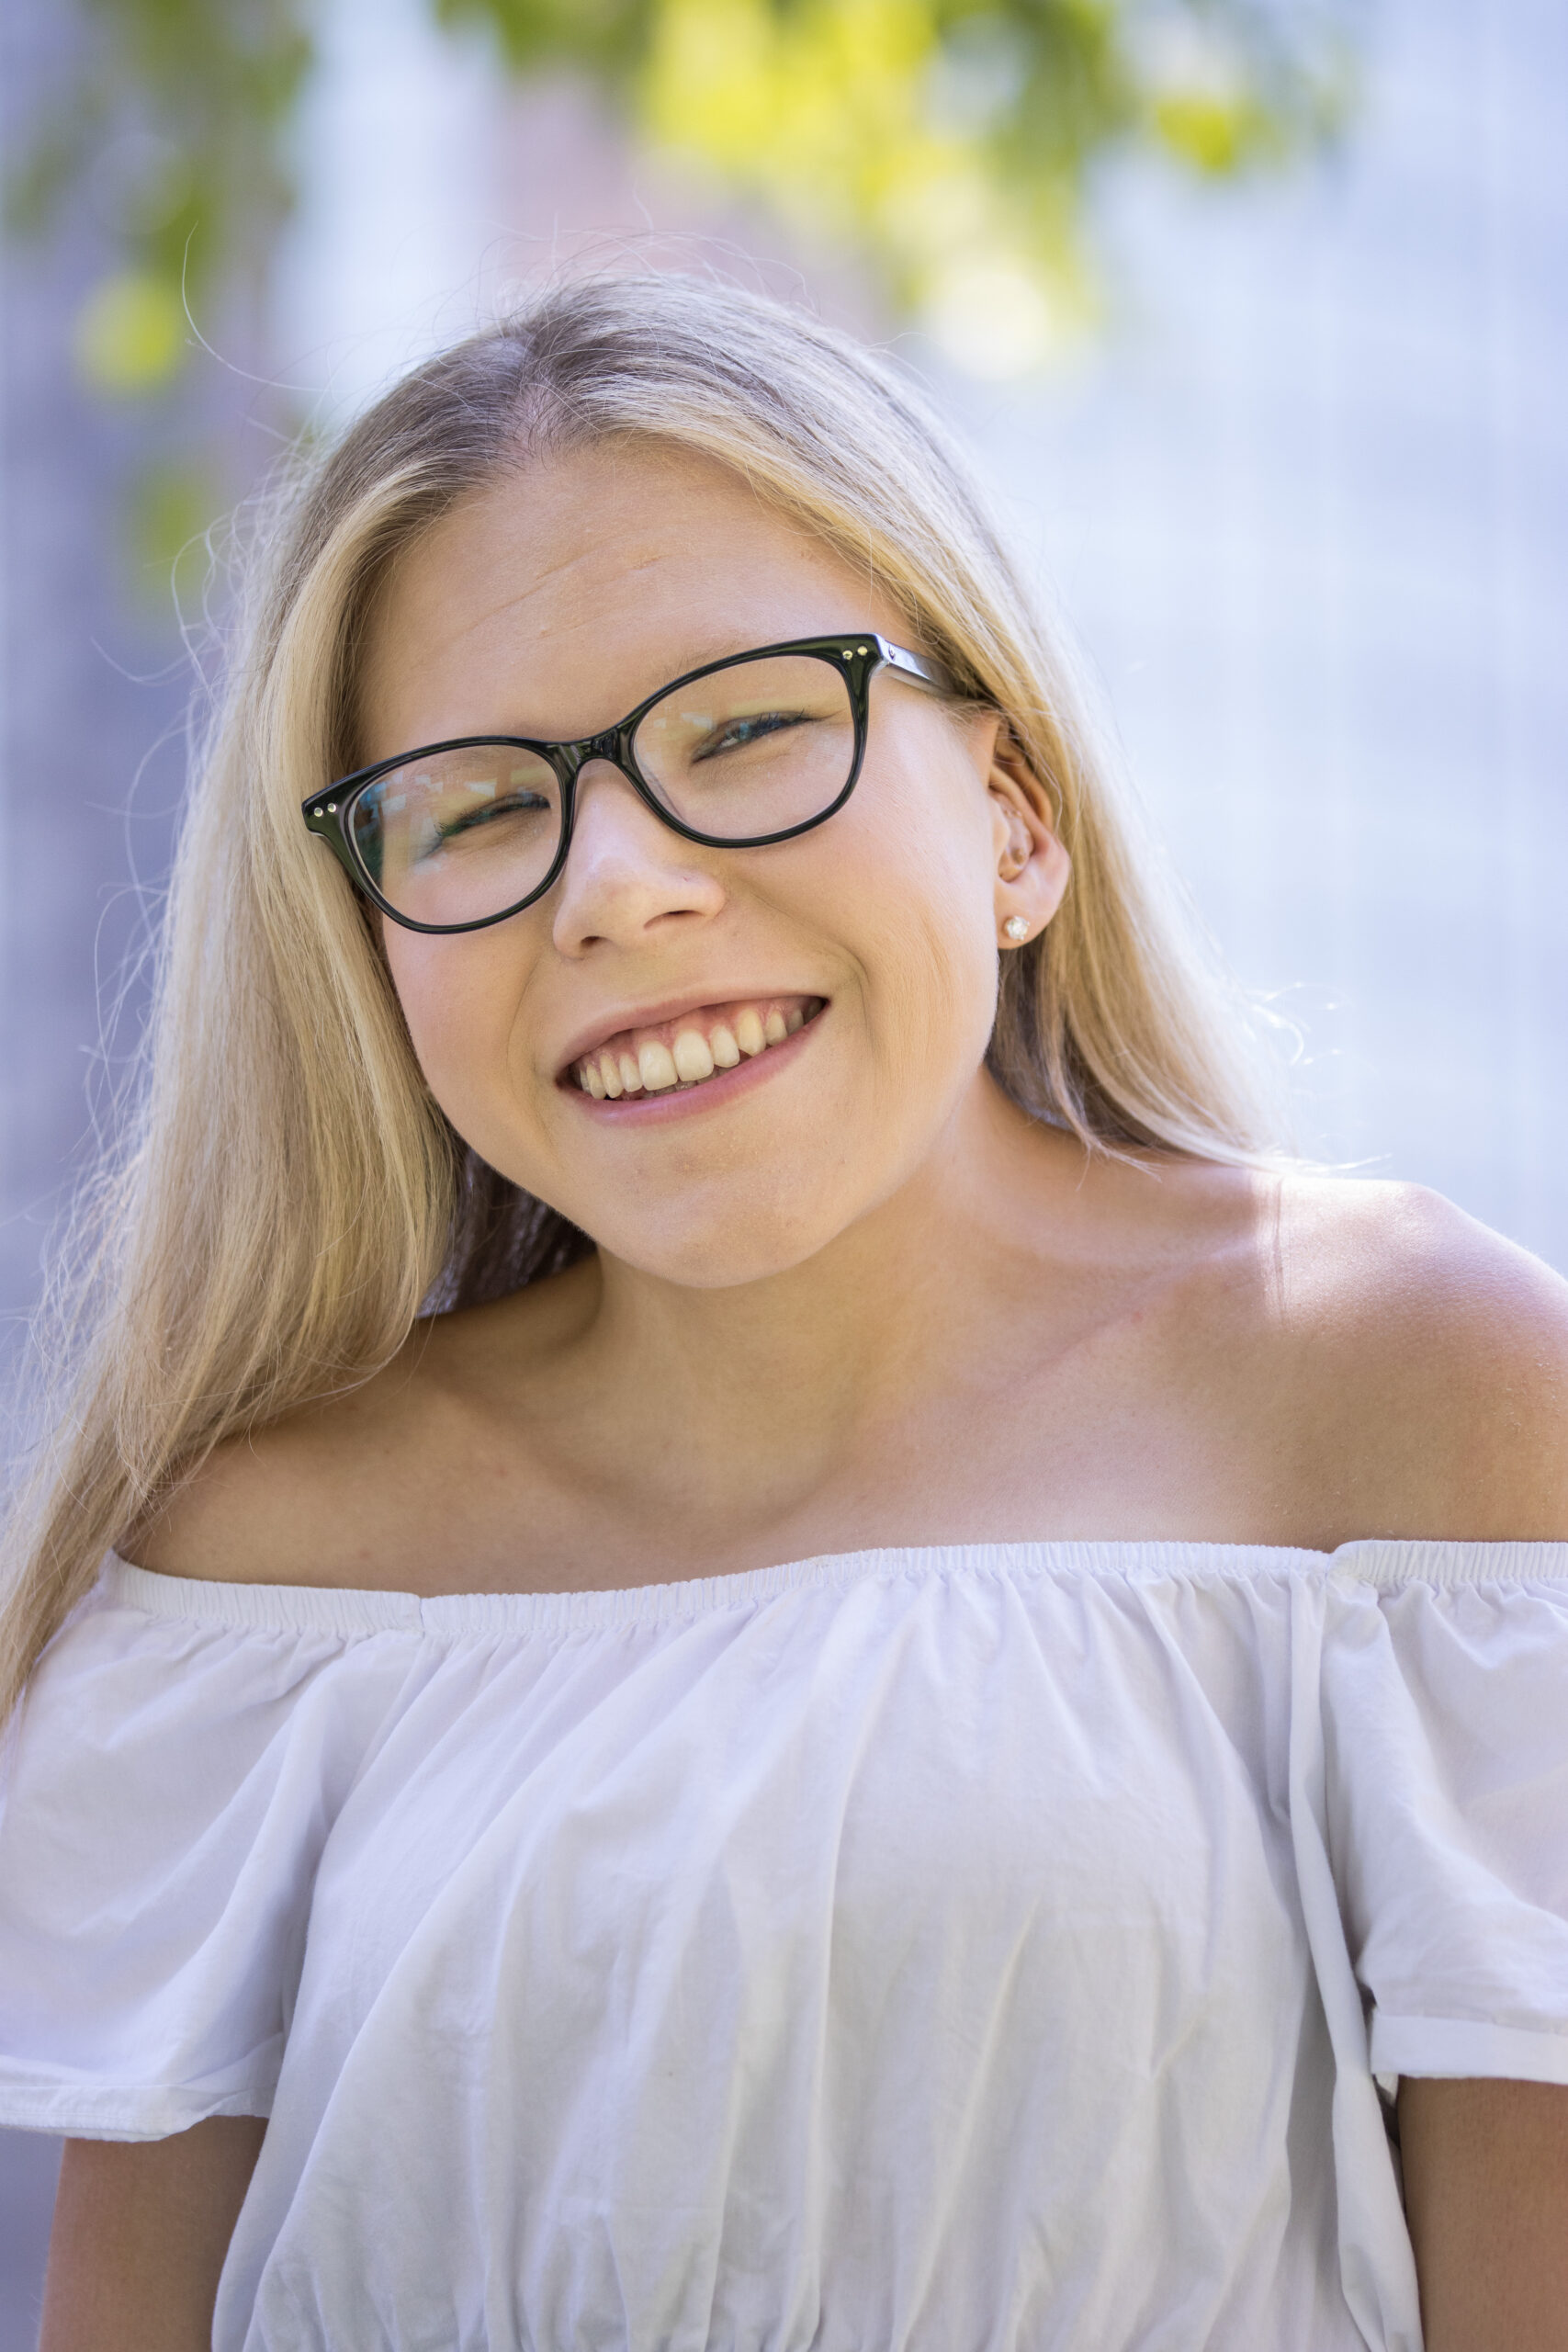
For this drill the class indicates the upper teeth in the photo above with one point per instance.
(685, 1052)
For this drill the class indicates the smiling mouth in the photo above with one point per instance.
(693, 1047)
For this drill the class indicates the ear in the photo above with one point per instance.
(1033, 867)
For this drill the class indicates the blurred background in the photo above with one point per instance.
(1252, 309)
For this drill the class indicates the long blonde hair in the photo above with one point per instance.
(287, 1194)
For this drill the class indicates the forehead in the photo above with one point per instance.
(554, 599)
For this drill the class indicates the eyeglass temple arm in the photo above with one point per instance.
(914, 666)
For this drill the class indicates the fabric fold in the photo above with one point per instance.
(990, 1943)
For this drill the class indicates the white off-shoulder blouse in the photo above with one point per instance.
(985, 1949)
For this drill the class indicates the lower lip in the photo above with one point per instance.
(709, 1094)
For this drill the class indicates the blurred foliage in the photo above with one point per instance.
(130, 332)
(949, 141)
(171, 506)
(172, 134)
(173, 125)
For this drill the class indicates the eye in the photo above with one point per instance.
(738, 733)
(486, 812)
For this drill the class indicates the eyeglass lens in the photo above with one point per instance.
(752, 749)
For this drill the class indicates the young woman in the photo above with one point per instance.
(797, 1655)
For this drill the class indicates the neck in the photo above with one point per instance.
(767, 1385)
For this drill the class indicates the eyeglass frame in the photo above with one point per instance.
(858, 659)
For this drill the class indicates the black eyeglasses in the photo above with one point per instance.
(738, 754)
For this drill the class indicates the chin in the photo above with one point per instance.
(716, 1250)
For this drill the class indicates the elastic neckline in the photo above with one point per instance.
(327, 1609)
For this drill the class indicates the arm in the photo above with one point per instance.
(140, 2231)
(1486, 2196)
(1450, 1359)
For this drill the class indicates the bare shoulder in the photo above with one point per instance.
(1435, 1358)
(364, 1487)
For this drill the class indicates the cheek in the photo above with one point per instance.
(913, 877)
(459, 999)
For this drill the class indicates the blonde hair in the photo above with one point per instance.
(288, 1195)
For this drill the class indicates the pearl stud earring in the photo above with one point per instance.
(1016, 928)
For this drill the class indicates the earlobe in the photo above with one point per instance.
(1033, 866)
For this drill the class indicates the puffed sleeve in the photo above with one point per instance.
(1445, 1712)
(166, 1791)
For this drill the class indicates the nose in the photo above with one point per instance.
(628, 878)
